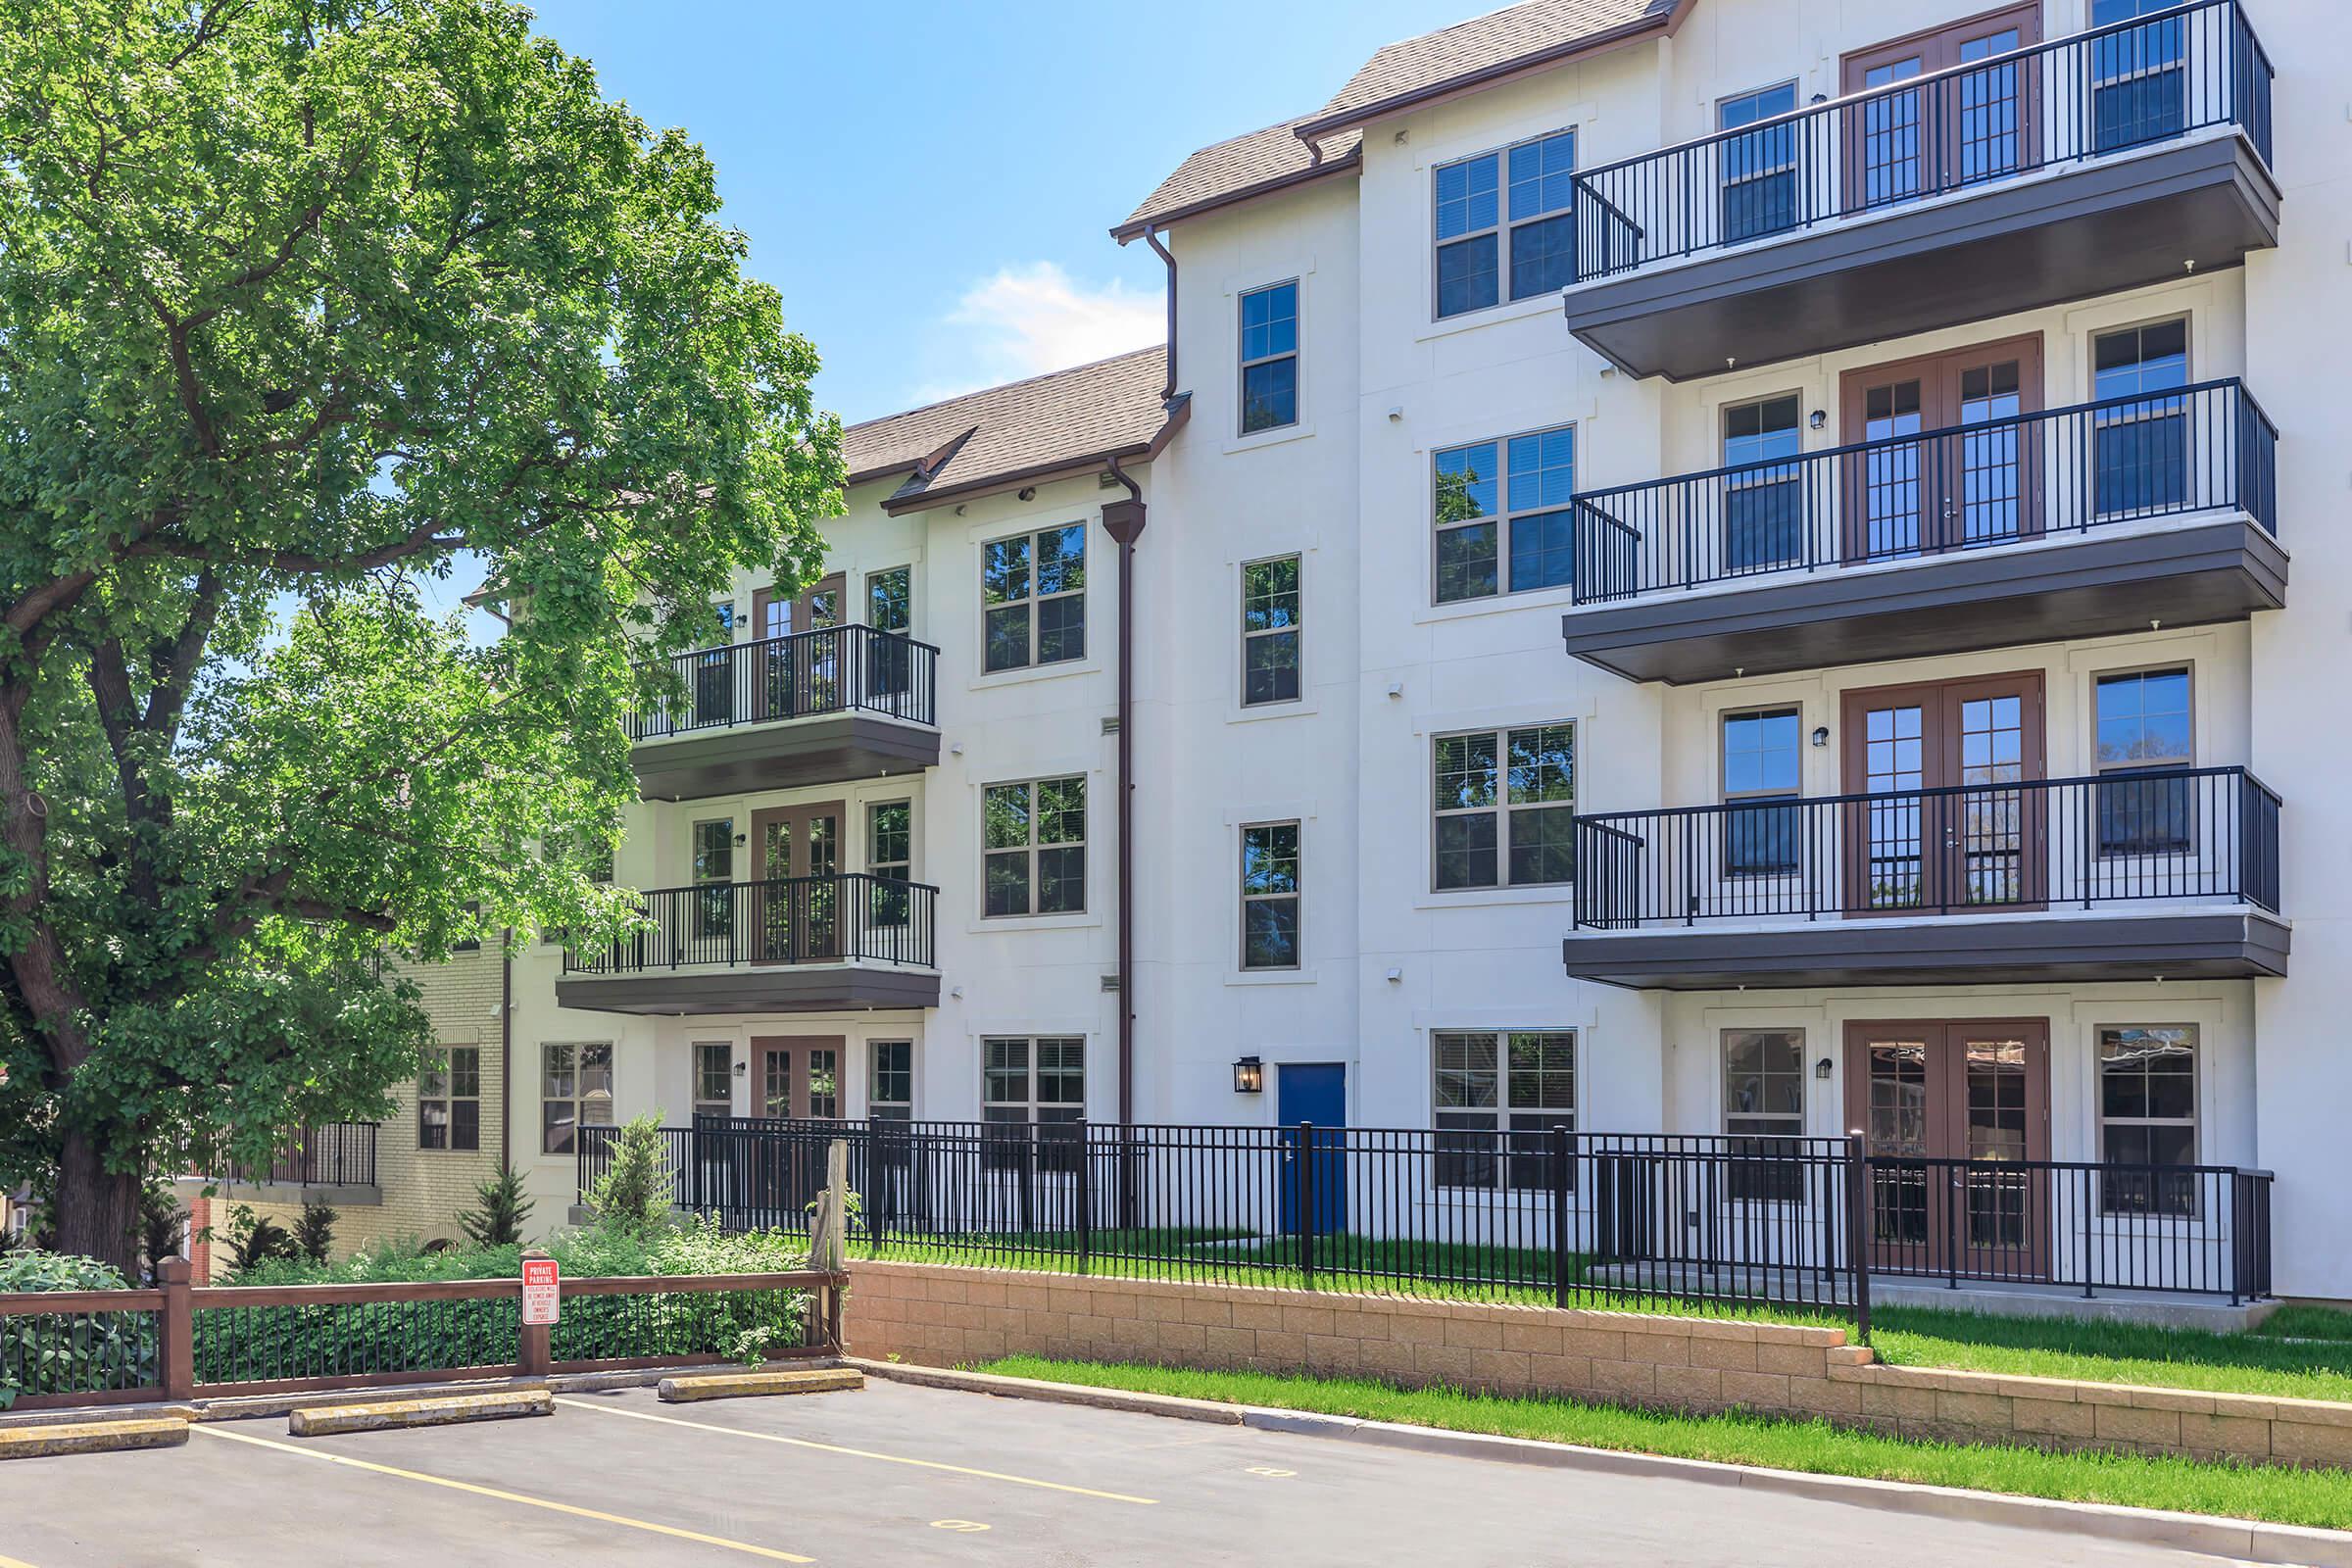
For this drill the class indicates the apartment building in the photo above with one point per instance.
(1702, 567)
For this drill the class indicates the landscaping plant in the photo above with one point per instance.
(637, 1190)
(498, 1221)
(84, 1352)
(314, 1231)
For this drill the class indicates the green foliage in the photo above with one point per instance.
(503, 1213)
(257, 1239)
(637, 1190)
(160, 1219)
(314, 1231)
(82, 1354)
(302, 303)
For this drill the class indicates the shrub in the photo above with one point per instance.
(314, 1231)
(637, 1190)
(498, 1221)
(256, 1239)
(86, 1352)
(160, 1219)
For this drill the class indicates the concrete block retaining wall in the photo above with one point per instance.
(944, 1316)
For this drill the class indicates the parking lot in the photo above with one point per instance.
(897, 1473)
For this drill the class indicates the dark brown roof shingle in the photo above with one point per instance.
(1241, 165)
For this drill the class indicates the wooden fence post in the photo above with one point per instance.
(828, 1234)
(534, 1355)
(175, 1345)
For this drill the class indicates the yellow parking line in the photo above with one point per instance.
(860, 1453)
(10, 1562)
(504, 1497)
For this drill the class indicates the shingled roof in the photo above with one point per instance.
(1065, 418)
(1530, 36)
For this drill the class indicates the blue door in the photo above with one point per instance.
(1313, 1091)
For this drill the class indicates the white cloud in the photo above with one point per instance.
(1025, 321)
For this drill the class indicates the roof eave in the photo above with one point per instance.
(911, 498)
(1348, 162)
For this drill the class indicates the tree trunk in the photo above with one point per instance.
(97, 1210)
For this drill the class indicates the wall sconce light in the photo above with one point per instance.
(1822, 1068)
(1028, 492)
(1249, 1076)
(1820, 736)
(743, 1070)
(1819, 419)
(742, 838)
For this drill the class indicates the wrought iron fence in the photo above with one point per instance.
(1997, 481)
(338, 1154)
(829, 670)
(2123, 837)
(853, 918)
(2091, 95)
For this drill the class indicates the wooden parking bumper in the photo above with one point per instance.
(743, 1385)
(327, 1420)
(92, 1437)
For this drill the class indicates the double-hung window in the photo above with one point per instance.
(890, 860)
(2138, 75)
(2140, 459)
(890, 1080)
(2143, 728)
(890, 607)
(1499, 1095)
(713, 1078)
(1270, 357)
(1505, 224)
(1762, 763)
(575, 1091)
(448, 1099)
(1270, 631)
(713, 866)
(1032, 1083)
(1034, 847)
(1505, 806)
(1270, 882)
(1503, 523)
(1764, 1112)
(1763, 487)
(2148, 1118)
(1033, 598)
(1757, 170)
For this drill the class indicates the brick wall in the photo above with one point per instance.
(952, 1316)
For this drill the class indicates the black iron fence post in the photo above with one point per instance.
(1559, 1215)
(1083, 1193)
(1857, 1233)
(1303, 1179)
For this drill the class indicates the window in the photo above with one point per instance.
(1505, 806)
(2143, 728)
(1270, 896)
(2138, 75)
(575, 1091)
(1757, 170)
(1270, 631)
(1033, 598)
(448, 1099)
(2148, 1116)
(1270, 357)
(1474, 268)
(890, 1080)
(2139, 454)
(824, 1083)
(713, 866)
(1499, 1095)
(1505, 503)
(1764, 500)
(1763, 1109)
(1032, 1083)
(471, 942)
(1034, 847)
(713, 1078)
(890, 600)
(1761, 762)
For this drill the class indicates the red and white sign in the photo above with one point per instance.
(541, 1292)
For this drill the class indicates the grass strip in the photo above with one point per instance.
(2311, 1498)
(2143, 1354)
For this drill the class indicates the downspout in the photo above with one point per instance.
(1166, 393)
(506, 1055)
(1123, 520)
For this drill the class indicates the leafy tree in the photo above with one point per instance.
(304, 305)
(503, 1213)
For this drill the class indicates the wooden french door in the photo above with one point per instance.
(1973, 125)
(1936, 830)
(1913, 494)
(798, 1080)
(1943, 1106)
(802, 676)
(797, 903)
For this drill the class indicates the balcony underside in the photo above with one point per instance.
(833, 749)
(2090, 585)
(2135, 220)
(2203, 944)
(692, 993)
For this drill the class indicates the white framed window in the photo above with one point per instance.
(575, 1091)
(1032, 1083)
(1763, 765)
(1763, 1113)
(2148, 1118)
(1501, 514)
(1270, 894)
(1269, 356)
(1033, 599)
(1506, 223)
(1498, 1092)
(1270, 631)
(713, 1078)
(448, 1099)
(824, 1083)
(1504, 807)
(1033, 856)
(2145, 725)
(890, 599)
(890, 1080)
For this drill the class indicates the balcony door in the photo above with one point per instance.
(1943, 1105)
(802, 677)
(1910, 850)
(1976, 124)
(796, 902)
(1916, 492)
(798, 1079)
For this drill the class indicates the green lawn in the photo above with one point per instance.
(2295, 1362)
(2315, 1497)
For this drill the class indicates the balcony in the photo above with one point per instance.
(820, 944)
(330, 1162)
(2168, 873)
(2072, 522)
(2107, 160)
(823, 707)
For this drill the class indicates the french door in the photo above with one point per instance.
(796, 899)
(802, 677)
(798, 1080)
(1944, 1107)
(1945, 821)
(1976, 124)
(1919, 493)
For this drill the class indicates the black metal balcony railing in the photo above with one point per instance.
(851, 918)
(2184, 834)
(829, 670)
(338, 1154)
(2000, 481)
(2071, 100)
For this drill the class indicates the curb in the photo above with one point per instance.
(747, 1384)
(2244, 1540)
(91, 1437)
(328, 1420)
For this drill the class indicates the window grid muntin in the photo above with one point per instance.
(1518, 511)
(448, 1100)
(1482, 207)
(2130, 1122)
(575, 1080)
(1051, 841)
(890, 1080)
(1033, 599)
(1271, 640)
(890, 599)
(1271, 879)
(1269, 356)
(1496, 1096)
(1520, 782)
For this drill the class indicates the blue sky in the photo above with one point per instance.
(930, 185)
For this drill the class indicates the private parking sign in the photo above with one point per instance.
(541, 1292)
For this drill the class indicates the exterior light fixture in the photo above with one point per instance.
(1818, 418)
(1820, 736)
(1249, 1076)
(1822, 1068)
